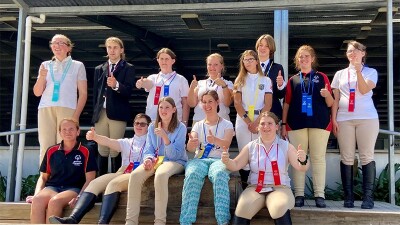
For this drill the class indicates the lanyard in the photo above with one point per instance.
(266, 153)
(64, 72)
(163, 82)
(256, 94)
(140, 153)
(303, 88)
(212, 83)
(204, 130)
(270, 65)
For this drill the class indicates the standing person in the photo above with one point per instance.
(265, 47)
(355, 121)
(215, 81)
(62, 85)
(112, 184)
(164, 156)
(112, 86)
(252, 96)
(66, 170)
(306, 120)
(269, 158)
(166, 83)
(206, 140)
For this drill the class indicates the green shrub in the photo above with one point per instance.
(28, 185)
(3, 187)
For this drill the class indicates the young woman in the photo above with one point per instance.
(166, 83)
(66, 170)
(111, 184)
(164, 156)
(355, 121)
(306, 120)
(269, 158)
(207, 138)
(215, 81)
(252, 96)
(265, 47)
(62, 85)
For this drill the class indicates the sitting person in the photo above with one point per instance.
(206, 139)
(269, 157)
(164, 156)
(67, 169)
(112, 184)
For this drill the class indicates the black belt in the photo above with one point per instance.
(256, 112)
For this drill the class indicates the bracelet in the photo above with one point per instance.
(225, 86)
(304, 162)
(245, 116)
(283, 124)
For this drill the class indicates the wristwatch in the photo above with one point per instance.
(245, 116)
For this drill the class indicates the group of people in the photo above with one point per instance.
(270, 137)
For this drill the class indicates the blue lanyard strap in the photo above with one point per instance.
(64, 72)
(310, 83)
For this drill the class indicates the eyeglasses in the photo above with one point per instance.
(59, 43)
(352, 50)
(250, 60)
(140, 124)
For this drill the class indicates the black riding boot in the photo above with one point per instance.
(116, 163)
(346, 173)
(369, 173)
(102, 164)
(110, 203)
(284, 220)
(84, 204)
(240, 221)
(244, 176)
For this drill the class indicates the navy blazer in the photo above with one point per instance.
(277, 94)
(117, 104)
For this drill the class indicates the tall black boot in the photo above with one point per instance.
(369, 173)
(284, 220)
(116, 163)
(240, 221)
(84, 204)
(244, 176)
(346, 173)
(102, 164)
(110, 203)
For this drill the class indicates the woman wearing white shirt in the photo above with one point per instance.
(252, 96)
(166, 83)
(215, 81)
(355, 120)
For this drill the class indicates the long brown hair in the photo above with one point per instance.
(240, 80)
(174, 120)
(270, 42)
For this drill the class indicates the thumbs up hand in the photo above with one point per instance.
(193, 142)
(210, 137)
(194, 82)
(159, 131)
(325, 91)
(301, 155)
(91, 134)
(279, 79)
(225, 155)
(111, 81)
(139, 83)
(43, 72)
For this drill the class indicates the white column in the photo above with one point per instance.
(281, 37)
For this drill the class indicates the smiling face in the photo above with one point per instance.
(209, 104)
(354, 55)
(263, 50)
(267, 126)
(250, 63)
(60, 46)
(214, 67)
(166, 110)
(68, 131)
(165, 62)
(305, 60)
(114, 51)
(140, 126)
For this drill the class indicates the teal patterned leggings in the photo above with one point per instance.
(195, 172)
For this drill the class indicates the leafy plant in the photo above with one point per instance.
(28, 185)
(3, 187)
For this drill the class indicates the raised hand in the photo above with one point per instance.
(193, 142)
(301, 154)
(210, 137)
(225, 155)
(43, 71)
(91, 134)
(139, 83)
(194, 82)
(220, 82)
(325, 91)
(279, 79)
(111, 81)
(159, 131)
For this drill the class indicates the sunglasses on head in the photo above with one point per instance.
(140, 124)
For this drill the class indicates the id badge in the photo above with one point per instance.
(129, 168)
(207, 150)
(166, 90)
(275, 173)
(260, 182)
(159, 161)
(157, 95)
(303, 103)
(56, 91)
(309, 105)
(201, 152)
(250, 113)
(352, 99)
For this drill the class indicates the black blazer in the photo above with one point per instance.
(278, 94)
(117, 105)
